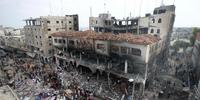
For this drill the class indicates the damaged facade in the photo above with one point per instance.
(160, 23)
(38, 32)
(124, 55)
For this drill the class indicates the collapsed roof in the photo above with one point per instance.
(144, 39)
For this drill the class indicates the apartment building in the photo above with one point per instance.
(38, 32)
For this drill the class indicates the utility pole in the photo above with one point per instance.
(162, 3)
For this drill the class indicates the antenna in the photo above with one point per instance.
(162, 3)
(124, 8)
(140, 7)
(61, 4)
(90, 11)
(104, 7)
(174, 2)
(50, 10)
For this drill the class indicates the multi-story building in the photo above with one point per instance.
(103, 23)
(38, 32)
(160, 23)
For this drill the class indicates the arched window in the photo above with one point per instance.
(159, 20)
(158, 30)
(152, 31)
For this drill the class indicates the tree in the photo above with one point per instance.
(194, 34)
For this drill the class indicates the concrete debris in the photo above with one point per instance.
(29, 79)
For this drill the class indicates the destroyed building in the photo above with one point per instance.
(160, 24)
(128, 53)
(38, 32)
(124, 55)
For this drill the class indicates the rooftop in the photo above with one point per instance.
(144, 39)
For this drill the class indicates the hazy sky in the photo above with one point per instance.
(13, 12)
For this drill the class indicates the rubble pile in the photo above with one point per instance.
(32, 80)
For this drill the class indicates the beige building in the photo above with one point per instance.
(38, 32)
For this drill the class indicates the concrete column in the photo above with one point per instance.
(126, 66)
(29, 22)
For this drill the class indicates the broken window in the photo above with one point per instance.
(106, 22)
(57, 22)
(153, 20)
(75, 19)
(120, 22)
(49, 29)
(160, 20)
(64, 49)
(70, 28)
(129, 22)
(155, 12)
(48, 22)
(152, 31)
(49, 37)
(49, 51)
(50, 44)
(64, 41)
(136, 52)
(101, 46)
(161, 11)
(114, 48)
(158, 30)
(109, 22)
(60, 41)
(124, 50)
(71, 42)
(70, 21)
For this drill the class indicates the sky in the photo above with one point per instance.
(13, 12)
